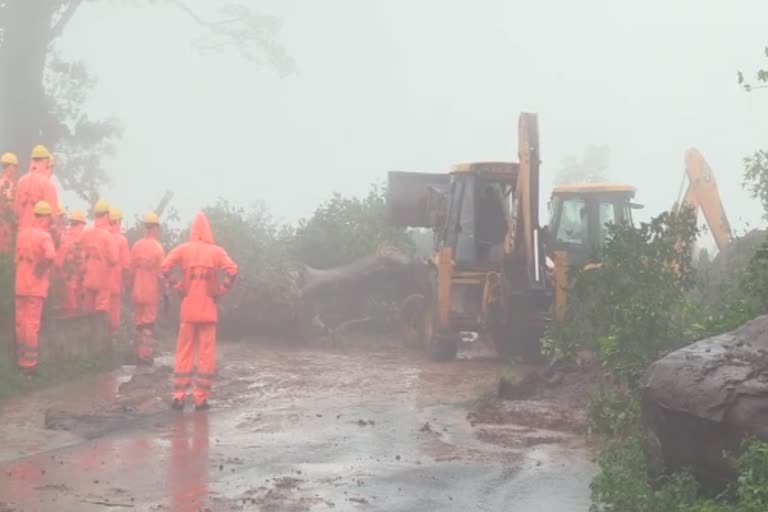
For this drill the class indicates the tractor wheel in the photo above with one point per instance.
(512, 333)
(443, 347)
(438, 346)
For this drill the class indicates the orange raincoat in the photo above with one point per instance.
(69, 267)
(147, 255)
(200, 261)
(34, 255)
(34, 186)
(7, 189)
(100, 254)
(117, 275)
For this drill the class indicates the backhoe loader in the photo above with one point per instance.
(490, 273)
(497, 272)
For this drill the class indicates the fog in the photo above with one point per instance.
(404, 85)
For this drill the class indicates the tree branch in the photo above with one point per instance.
(242, 28)
(64, 20)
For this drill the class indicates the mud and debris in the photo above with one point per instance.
(299, 430)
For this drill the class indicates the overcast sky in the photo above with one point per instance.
(419, 85)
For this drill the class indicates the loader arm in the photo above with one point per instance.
(527, 195)
(702, 194)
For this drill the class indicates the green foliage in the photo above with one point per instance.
(591, 167)
(631, 308)
(343, 229)
(252, 237)
(81, 142)
(745, 298)
(613, 411)
(752, 484)
(623, 484)
(13, 383)
(761, 76)
(755, 178)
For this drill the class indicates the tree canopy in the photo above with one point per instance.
(591, 167)
(43, 93)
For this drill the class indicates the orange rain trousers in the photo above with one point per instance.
(70, 299)
(101, 254)
(116, 277)
(194, 337)
(96, 300)
(29, 311)
(115, 303)
(68, 272)
(144, 318)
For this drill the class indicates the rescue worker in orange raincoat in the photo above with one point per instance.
(69, 264)
(200, 261)
(59, 225)
(100, 255)
(34, 257)
(35, 186)
(147, 255)
(119, 271)
(10, 167)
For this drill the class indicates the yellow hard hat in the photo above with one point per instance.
(42, 208)
(100, 207)
(115, 214)
(151, 218)
(9, 159)
(62, 210)
(40, 151)
(77, 216)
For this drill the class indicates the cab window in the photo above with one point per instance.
(607, 215)
(572, 228)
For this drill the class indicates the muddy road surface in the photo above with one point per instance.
(296, 430)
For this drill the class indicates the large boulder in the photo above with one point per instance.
(703, 399)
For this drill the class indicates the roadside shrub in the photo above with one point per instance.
(623, 484)
(343, 229)
(632, 307)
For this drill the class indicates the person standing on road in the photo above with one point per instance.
(34, 255)
(100, 255)
(200, 261)
(118, 274)
(10, 167)
(69, 266)
(35, 186)
(147, 255)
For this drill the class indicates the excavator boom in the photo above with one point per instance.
(527, 192)
(702, 194)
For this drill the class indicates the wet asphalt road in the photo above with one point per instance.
(290, 431)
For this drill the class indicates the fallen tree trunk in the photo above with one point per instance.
(703, 399)
(299, 301)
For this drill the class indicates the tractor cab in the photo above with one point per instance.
(580, 213)
(479, 200)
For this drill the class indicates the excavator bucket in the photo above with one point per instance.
(413, 197)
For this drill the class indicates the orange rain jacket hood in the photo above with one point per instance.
(201, 230)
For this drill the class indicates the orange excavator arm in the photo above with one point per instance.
(702, 194)
(527, 193)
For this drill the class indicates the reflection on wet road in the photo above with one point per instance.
(291, 431)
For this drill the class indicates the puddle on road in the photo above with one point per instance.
(350, 435)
